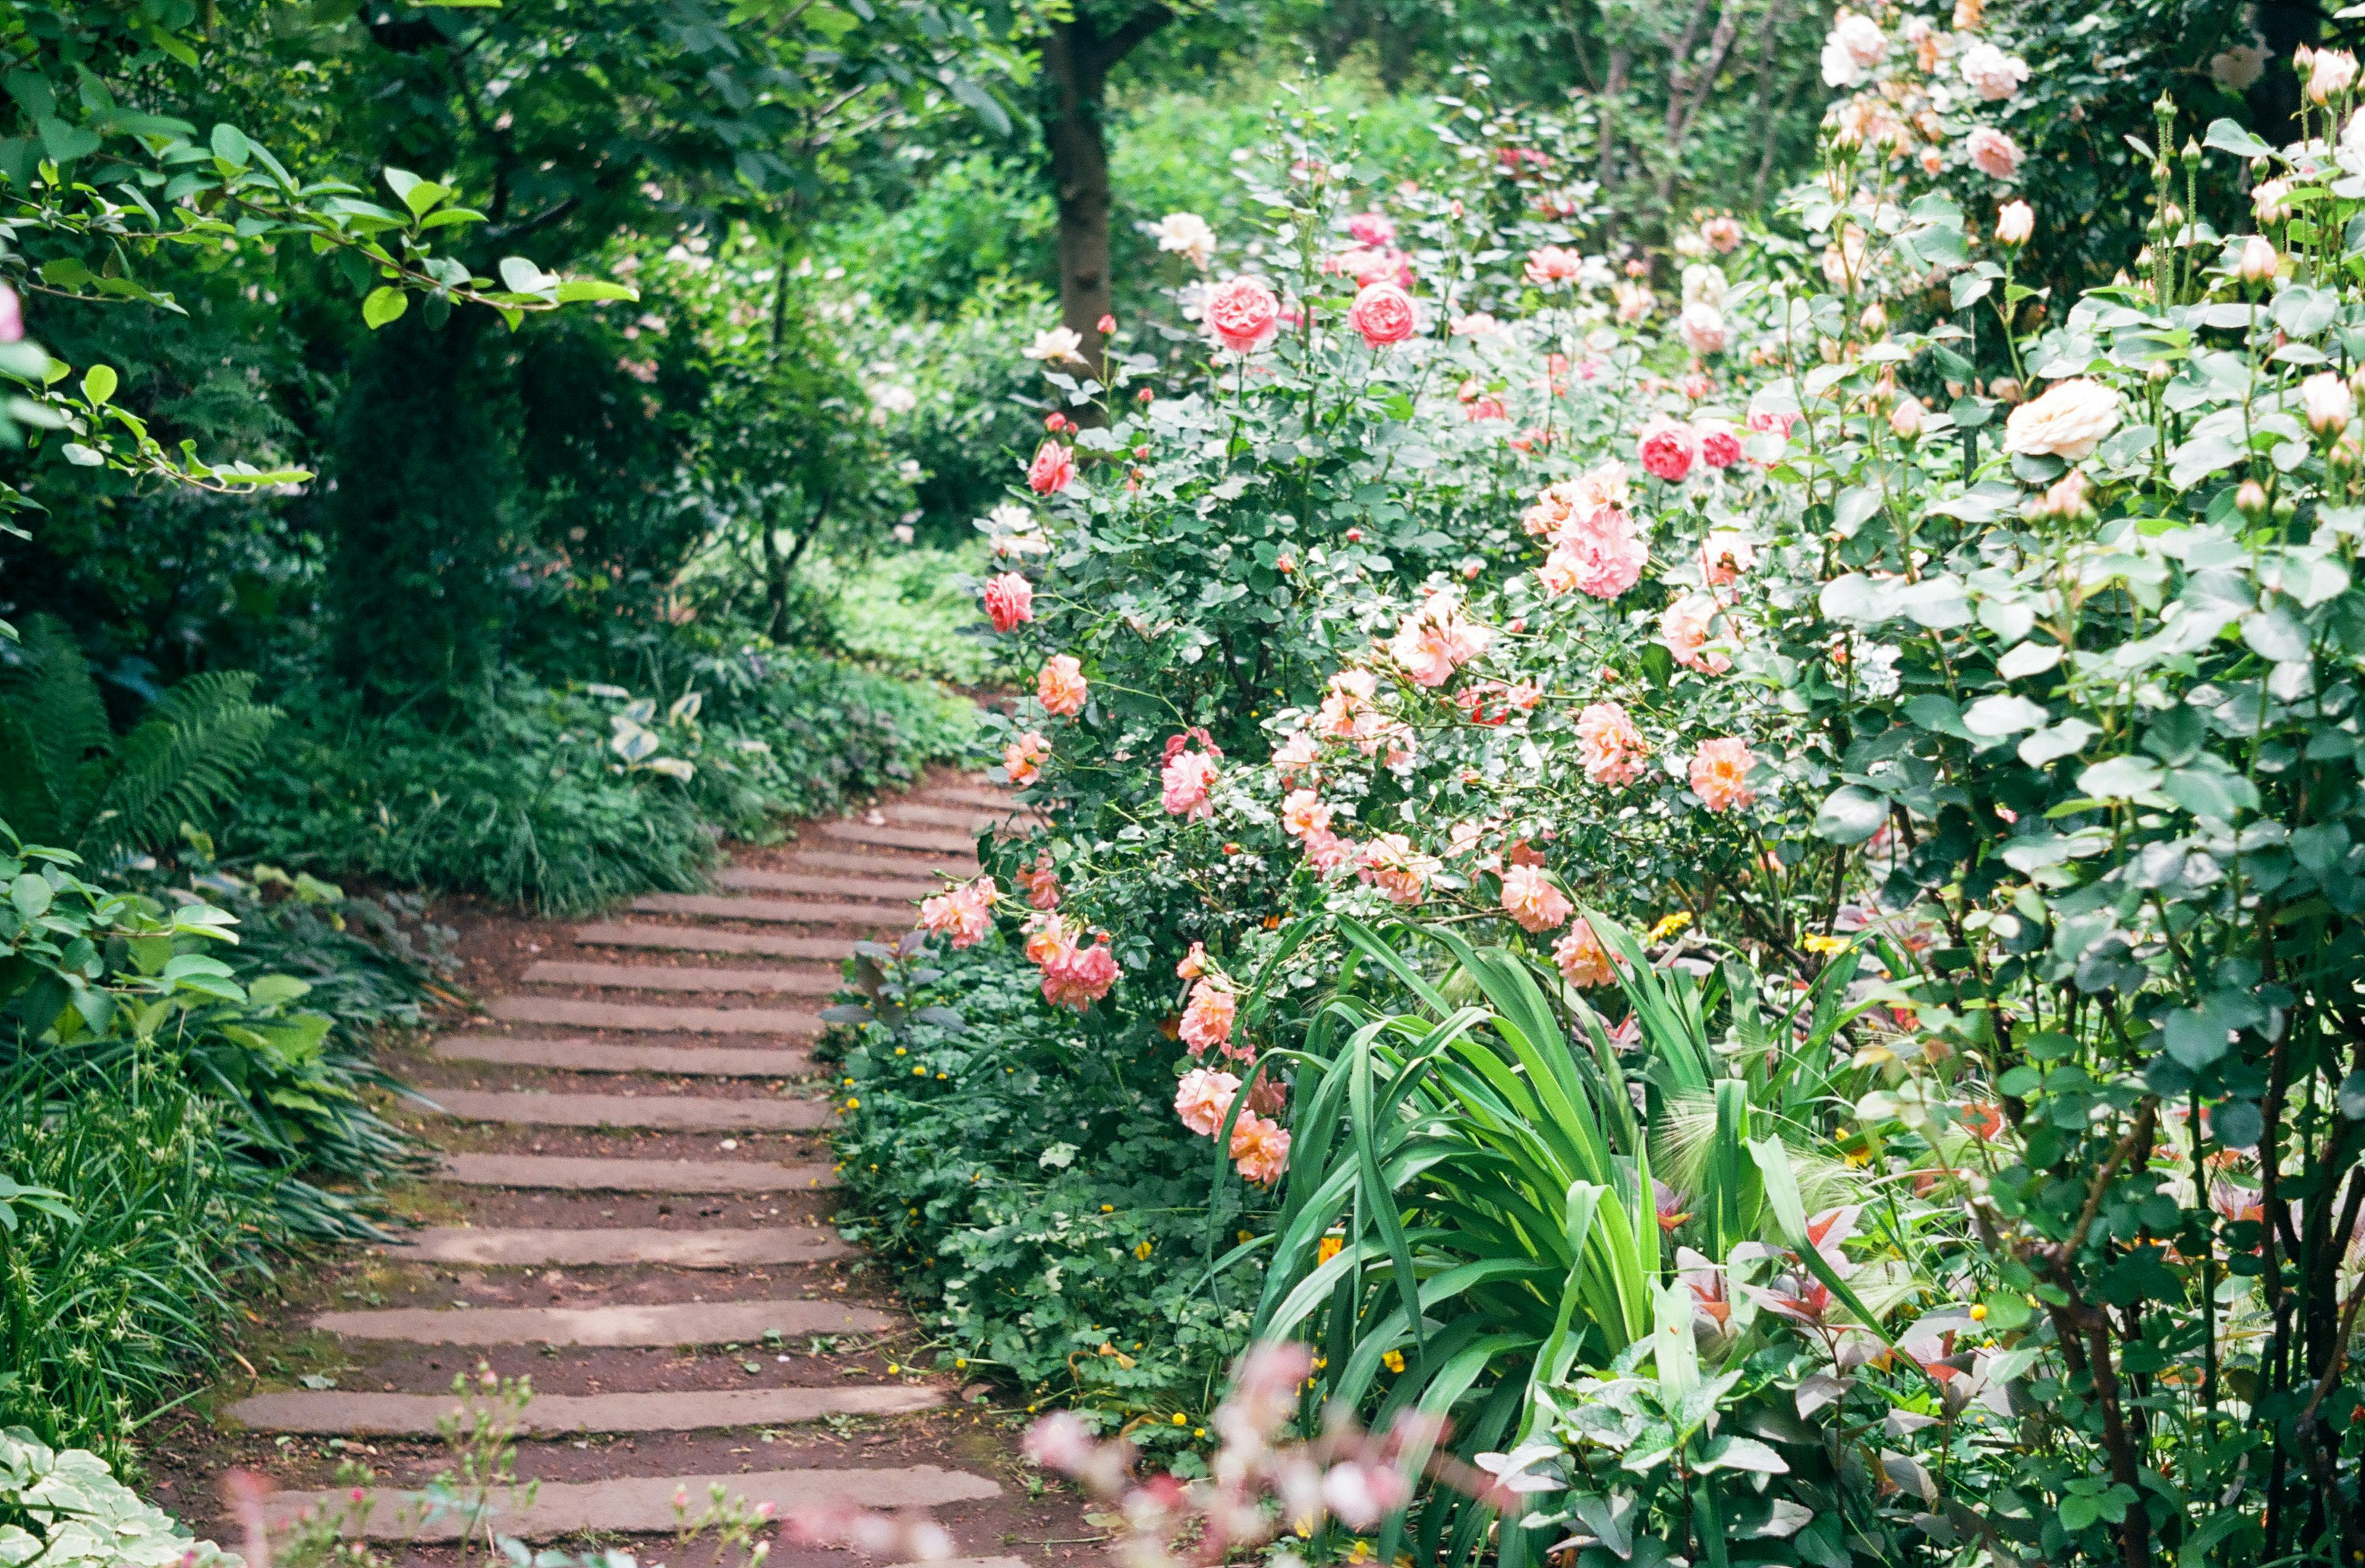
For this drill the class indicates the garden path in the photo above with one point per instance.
(633, 1208)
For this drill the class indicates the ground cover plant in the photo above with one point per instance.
(1792, 750)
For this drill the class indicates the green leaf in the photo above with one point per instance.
(99, 383)
(577, 289)
(1851, 813)
(2227, 136)
(384, 304)
(65, 142)
(230, 145)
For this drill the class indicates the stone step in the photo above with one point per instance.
(585, 1173)
(645, 1505)
(988, 797)
(816, 858)
(960, 818)
(680, 1323)
(359, 1414)
(621, 1247)
(641, 1015)
(775, 912)
(590, 1056)
(821, 884)
(670, 1112)
(935, 841)
(648, 934)
(810, 980)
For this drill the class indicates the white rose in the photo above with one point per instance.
(1861, 37)
(1702, 329)
(1704, 285)
(1839, 69)
(1992, 74)
(1053, 344)
(2068, 422)
(2326, 401)
(1187, 234)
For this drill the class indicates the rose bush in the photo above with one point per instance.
(1777, 636)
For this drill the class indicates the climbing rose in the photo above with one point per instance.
(1022, 758)
(1610, 748)
(1530, 897)
(1207, 1016)
(1347, 713)
(1184, 783)
(1599, 555)
(1204, 1098)
(1080, 976)
(1435, 640)
(1721, 774)
(1297, 754)
(1392, 864)
(1668, 450)
(1991, 152)
(1382, 313)
(1260, 1148)
(1243, 314)
(1303, 813)
(965, 914)
(1009, 602)
(1041, 883)
(2068, 422)
(1061, 685)
(1581, 959)
(1683, 627)
(1053, 470)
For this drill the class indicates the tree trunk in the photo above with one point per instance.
(1076, 60)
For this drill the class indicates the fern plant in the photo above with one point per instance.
(67, 779)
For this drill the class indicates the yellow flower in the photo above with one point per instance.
(1246, 1236)
(899, 1050)
(960, 1364)
(1393, 1360)
(1328, 1248)
(919, 1072)
(1180, 1419)
(1108, 1208)
(893, 1371)
(1979, 1313)
(1817, 942)
(1143, 1251)
(854, 1104)
(1669, 924)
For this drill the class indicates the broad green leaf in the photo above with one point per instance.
(386, 302)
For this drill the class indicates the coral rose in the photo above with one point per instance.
(1581, 959)
(1260, 1148)
(965, 914)
(1041, 883)
(1243, 314)
(1053, 470)
(1009, 602)
(1207, 1016)
(1530, 897)
(1610, 746)
(1303, 813)
(1080, 976)
(1204, 1098)
(1719, 446)
(1719, 773)
(1384, 313)
(2068, 422)
(1022, 758)
(1392, 864)
(1060, 686)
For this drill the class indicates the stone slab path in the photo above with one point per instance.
(631, 1206)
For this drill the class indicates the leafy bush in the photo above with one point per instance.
(1025, 1179)
(67, 1510)
(537, 795)
(912, 612)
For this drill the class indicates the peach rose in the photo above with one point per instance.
(1719, 773)
(1022, 758)
(1530, 897)
(1992, 152)
(1207, 1016)
(1260, 1148)
(1060, 686)
(1610, 748)
(1204, 1098)
(1683, 626)
(1581, 959)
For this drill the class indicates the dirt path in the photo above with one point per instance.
(633, 1211)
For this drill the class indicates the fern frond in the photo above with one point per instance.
(62, 720)
(186, 756)
(28, 804)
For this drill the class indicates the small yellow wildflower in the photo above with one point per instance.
(1108, 1208)
(1143, 1251)
(1816, 941)
(1669, 924)
(1393, 1360)
(1328, 1248)
(919, 1072)
(1246, 1236)
(854, 1104)
(1180, 1419)
(1979, 1313)
(899, 1050)
(893, 1371)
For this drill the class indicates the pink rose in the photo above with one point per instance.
(1053, 470)
(1383, 314)
(1243, 314)
(1297, 755)
(1194, 963)
(1327, 851)
(1991, 152)
(12, 316)
(1668, 450)
(1041, 883)
(1009, 602)
(1608, 745)
(1719, 773)
(1373, 228)
(1554, 264)
(1304, 813)
(1530, 897)
(1207, 1016)
(1260, 1148)
(1724, 555)
(1022, 758)
(966, 914)
(1719, 446)
(1393, 865)
(1184, 784)
(1060, 686)
(1597, 554)
(1204, 1098)
(1685, 625)
(1437, 641)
